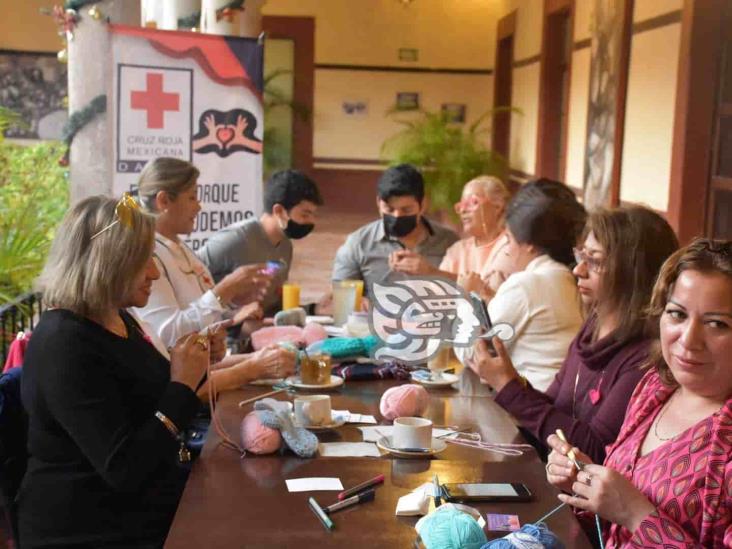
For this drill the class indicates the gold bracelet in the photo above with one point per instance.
(184, 456)
(169, 425)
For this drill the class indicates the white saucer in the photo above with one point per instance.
(294, 381)
(444, 381)
(438, 445)
(319, 319)
(269, 381)
(336, 421)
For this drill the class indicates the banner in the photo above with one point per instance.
(196, 97)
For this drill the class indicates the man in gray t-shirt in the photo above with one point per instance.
(291, 200)
(402, 243)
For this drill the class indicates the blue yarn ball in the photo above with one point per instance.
(451, 529)
(529, 536)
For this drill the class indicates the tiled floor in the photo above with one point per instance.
(313, 256)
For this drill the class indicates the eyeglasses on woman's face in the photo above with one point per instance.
(594, 264)
(469, 203)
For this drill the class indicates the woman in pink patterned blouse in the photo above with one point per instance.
(667, 479)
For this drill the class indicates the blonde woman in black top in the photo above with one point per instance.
(104, 407)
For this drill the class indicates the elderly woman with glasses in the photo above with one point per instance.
(185, 297)
(105, 409)
(667, 478)
(616, 267)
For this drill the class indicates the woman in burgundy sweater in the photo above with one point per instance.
(622, 254)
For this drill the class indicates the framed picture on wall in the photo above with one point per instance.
(407, 101)
(454, 112)
(34, 86)
(355, 108)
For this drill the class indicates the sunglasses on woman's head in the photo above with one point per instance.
(123, 212)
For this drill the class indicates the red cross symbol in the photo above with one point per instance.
(155, 101)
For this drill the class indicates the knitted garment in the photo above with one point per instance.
(276, 415)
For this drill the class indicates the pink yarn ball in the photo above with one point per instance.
(257, 438)
(313, 332)
(404, 400)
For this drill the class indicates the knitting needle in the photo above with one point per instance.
(247, 401)
(571, 455)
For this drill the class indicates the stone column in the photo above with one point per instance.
(90, 74)
(242, 23)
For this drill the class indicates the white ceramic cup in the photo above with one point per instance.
(412, 432)
(312, 410)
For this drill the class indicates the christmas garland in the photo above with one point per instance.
(192, 20)
(78, 120)
(78, 4)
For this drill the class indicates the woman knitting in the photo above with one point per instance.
(667, 480)
(105, 409)
(616, 267)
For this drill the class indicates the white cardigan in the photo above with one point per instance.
(181, 301)
(542, 305)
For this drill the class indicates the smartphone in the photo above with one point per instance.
(481, 310)
(273, 267)
(509, 491)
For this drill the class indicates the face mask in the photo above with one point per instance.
(399, 226)
(297, 230)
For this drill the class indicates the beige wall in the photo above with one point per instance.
(22, 27)
(340, 136)
(579, 95)
(649, 117)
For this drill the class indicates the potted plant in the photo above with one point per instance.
(448, 154)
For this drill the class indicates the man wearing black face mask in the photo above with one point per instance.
(403, 242)
(291, 200)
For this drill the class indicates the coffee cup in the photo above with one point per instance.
(312, 410)
(412, 433)
(315, 369)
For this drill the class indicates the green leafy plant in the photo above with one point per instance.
(448, 154)
(33, 199)
(277, 147)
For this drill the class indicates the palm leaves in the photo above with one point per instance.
(448, 155)
(33, 198)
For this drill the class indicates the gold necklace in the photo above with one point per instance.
(658, 420)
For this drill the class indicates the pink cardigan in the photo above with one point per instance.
(689, 478)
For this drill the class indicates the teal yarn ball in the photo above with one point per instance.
(451, 529)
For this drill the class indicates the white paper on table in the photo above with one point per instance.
(417, 502)
(348, 449)
(372, 434)
(313, 483)
(350, 417)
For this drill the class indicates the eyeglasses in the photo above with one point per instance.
(123, 211)
(469, 203)
(593, 263)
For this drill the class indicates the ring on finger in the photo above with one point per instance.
(588, 480)
(548, 471)
(203, 342)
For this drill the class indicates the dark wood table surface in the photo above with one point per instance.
(243, 502)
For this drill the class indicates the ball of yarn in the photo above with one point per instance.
(404, 400)
(257, 438)
(451, 529)
(313, 332)
(529, 536)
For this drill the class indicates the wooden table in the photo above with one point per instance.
(243, 502)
